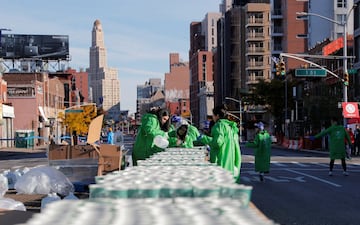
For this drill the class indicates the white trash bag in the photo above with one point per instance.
(161, 142)
(44, 180)
(52, 197)
(11, 204)
(71, 196)
(12, 177)
(4, 187)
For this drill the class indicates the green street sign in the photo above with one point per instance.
(310, 73)
(352, 71)
(74, 110)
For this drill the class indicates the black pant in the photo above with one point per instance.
(343, 163)
(357, 147)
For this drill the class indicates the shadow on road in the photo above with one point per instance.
(6, 155)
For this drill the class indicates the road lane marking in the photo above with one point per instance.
(320, 164)
(315, 178)
(299, 179)
(276, 179)
(278, 164)
(300, 164)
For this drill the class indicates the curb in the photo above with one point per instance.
(326, 152)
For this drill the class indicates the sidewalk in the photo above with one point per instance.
(5, 152)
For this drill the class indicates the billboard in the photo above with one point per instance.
(46, 47)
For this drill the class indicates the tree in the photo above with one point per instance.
(272, 95)
(77, 120)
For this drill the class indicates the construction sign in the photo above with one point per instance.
(350, 109)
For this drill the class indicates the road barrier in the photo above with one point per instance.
(295, 144)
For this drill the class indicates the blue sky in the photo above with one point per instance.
(139, 35)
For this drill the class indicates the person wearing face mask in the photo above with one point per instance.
(179, 137)
(154, 123)
(182, 133)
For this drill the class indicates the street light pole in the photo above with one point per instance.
(345, 61)
(345, 58)
(240, 115)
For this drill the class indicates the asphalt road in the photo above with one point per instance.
(298, 190)
(19, 158)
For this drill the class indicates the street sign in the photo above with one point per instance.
(74, 110)
(310, 73)
(352, 71)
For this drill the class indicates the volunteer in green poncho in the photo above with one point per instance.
(180, 138)
(224, 142)
(190, 135)
(155, 122)
(262, 145)
(337, 135)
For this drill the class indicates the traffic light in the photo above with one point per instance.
(346, 79)
(282, 67)
(277, 69)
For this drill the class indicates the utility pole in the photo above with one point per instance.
(343, 23)
(240, 116)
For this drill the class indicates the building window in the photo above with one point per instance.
(338, 35)
(341, 18)
(357, 51)
(356, 17)
(341, 3)
(302, 36)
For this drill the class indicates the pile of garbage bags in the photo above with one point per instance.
(43, 180)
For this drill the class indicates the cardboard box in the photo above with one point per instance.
(58, 152)
(82, 151)
(110, 158)
(74, 161)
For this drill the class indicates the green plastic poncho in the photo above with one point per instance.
(337, 135)
(144, 146)
(262, 145)
(193, 132)
(190, 139)
(187, 143)
(224, 146)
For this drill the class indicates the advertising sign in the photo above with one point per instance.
(47, 47)
(350, 109)
(20, 92)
